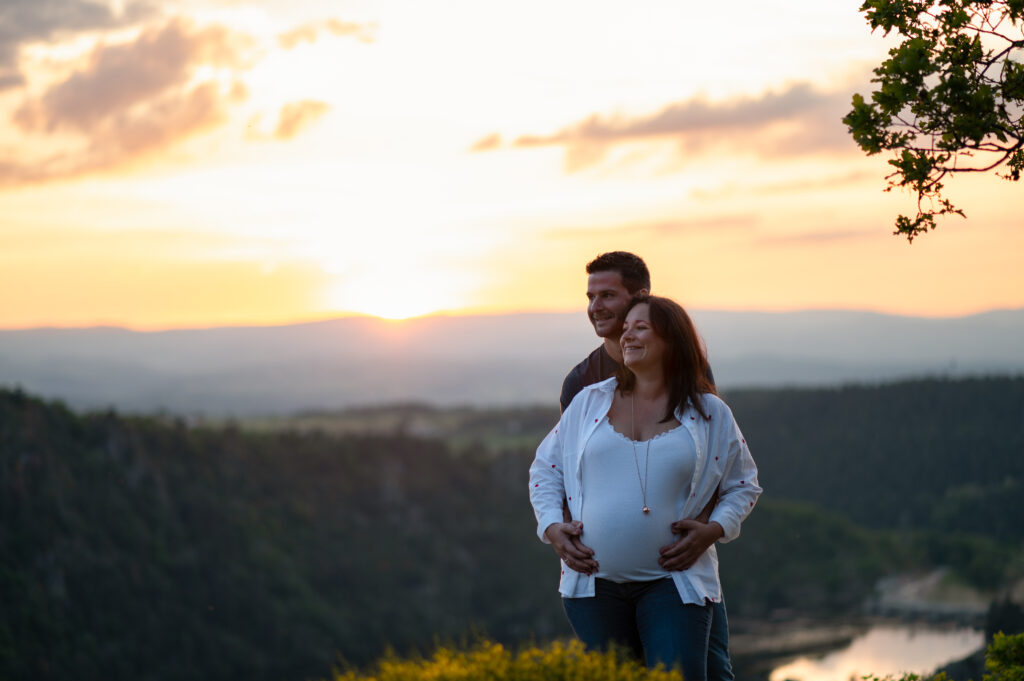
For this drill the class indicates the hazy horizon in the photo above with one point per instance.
(484, 360)
(443, 314)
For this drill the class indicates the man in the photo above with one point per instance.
(613, 279)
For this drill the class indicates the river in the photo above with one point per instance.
(883, 649)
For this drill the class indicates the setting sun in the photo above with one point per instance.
(393, 293)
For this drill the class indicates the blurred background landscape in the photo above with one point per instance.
(274, 547)
(288, 289)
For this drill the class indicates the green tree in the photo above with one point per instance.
(1004, 659)
(948, 100)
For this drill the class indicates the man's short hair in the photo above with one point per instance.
(632, 268)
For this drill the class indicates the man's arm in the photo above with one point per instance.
(705, 513)
(572, 384)
(738, 490)
(564, 537)
(547, 486)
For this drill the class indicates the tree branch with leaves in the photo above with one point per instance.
(949, 99)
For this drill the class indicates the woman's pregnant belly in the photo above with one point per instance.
(626, 541)
(618, 478)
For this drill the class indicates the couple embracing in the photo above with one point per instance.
(645, 471)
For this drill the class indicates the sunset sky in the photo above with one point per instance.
(172, 163)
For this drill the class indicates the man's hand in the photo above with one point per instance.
(565, 539)
(705, 515)
(695, 540)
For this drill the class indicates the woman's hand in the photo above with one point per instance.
(695, 540)
(565, 539)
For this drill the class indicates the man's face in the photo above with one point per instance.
(608, 300)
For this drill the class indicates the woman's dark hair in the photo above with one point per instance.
(685, 363)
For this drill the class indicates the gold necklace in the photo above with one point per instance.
(647, 452)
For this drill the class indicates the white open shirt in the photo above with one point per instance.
(723, 463)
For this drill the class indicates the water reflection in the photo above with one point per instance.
(884, 650)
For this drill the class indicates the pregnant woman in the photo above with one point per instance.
(637, 457)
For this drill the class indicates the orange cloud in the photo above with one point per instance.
(799, 120)
(42, 20)
(366, 33)
(310, 33)
(133, 98)
(695, 116)
(295, 116)
(492, 141)
(293, 38)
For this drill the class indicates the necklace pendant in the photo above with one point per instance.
(646, 510)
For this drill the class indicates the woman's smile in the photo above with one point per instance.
(639, 342)
(632, 350)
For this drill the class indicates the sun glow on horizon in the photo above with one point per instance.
(394, 310)
(395, 288)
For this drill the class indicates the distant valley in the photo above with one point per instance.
(473, 360)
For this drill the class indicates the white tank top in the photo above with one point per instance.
(625, 540)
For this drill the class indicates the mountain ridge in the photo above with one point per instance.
(478, 359)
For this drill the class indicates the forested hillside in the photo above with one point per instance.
(137, 549)
(931, 453)
(144, 548)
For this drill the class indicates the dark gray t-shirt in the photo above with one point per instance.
(597, 367)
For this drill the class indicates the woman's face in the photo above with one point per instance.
(641, 347)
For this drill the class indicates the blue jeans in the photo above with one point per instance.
(719, 662)
(650, 621)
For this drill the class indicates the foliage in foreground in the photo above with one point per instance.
(948, 99)
(559, 661)
(491, 661)
(1004, 659)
